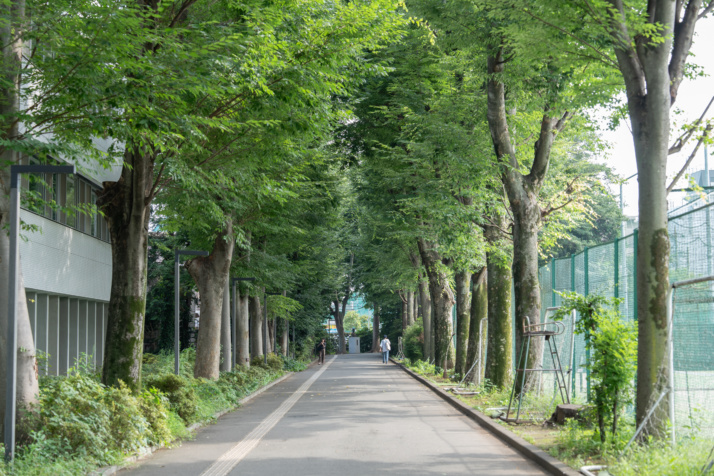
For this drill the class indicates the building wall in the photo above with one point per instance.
(67, 276)
(63, 261)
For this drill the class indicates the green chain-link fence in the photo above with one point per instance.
(609, 270)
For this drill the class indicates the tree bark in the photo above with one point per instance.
(26, 370)
(242, 328)
(426, 318)
(652, 72)
(256, 327)
(499, 366)
(463, 319)
(477, 334)
(442, 301)
(375, 329)
(226, 331)
(405, 311)
(411, 310)
(126, 204)
(522, 192)
(339, 315)
(211, 275)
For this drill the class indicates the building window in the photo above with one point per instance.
(70, 191)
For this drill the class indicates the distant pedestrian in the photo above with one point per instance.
(386, 346)
(321, 352)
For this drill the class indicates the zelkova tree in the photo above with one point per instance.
(45, 90)
(195, 56)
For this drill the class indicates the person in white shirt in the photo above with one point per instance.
(385, 345)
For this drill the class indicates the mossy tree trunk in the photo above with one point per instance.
(411, 309)
(442, 302)
(653, 72)
(242, 327)
(127, 207)
(256, 326)
(462, 280)
(522, 192)
(477, 333)
(226, 344)
(404, 311)
(426, 317)
(499, 361)
(211, 276)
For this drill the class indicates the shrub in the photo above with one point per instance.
(274, 362)
(414, 341)
(155, 407)
(127, 426)
(612, 344)
(180, 393)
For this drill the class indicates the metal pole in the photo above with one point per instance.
(265, 328)
(13, 282)
(293, 342)
(670, 367)
(234, 316)
(177, 284)
(587, 334)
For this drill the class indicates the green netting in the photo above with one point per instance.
(609, 270)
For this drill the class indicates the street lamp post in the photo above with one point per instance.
(177, 282)
(234, 315)
(11, 387)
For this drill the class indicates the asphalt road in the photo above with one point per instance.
(352, 416)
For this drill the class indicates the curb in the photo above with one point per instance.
(148, 451)
(551, 465)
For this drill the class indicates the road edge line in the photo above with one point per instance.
(541, 458)
(147, 451)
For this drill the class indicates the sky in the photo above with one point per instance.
(692, 98)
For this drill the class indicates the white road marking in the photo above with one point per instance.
(235, 455)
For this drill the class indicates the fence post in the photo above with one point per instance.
(587, 334)
(635, 239)
(552, 281)
(617, 268)
(573, 370)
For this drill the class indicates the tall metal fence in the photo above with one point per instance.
(609, 270)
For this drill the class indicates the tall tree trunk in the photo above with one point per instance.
(126, 204)
(269, 342)
(339, 315)
(463, 319)
(226, 331)
(242, 328)
(652, 72)
(411, 310)
(426, 317)
(375, 329)
(499, 366)
(442, 302)
(26, 374)
(526, 286)
(211, 275)
(477, 333)
(405, 311)
(522, 191)
(256, 327)
(284, 329)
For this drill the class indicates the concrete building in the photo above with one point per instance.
(66, 267)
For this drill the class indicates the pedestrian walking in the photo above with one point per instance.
(386, 346)
(321, 352)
